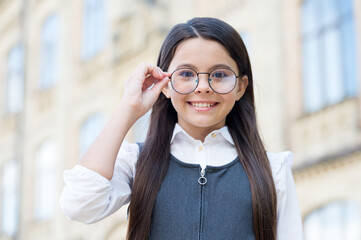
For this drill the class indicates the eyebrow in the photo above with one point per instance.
(188, 65)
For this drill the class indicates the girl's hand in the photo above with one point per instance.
(143, 88)
(141, 91)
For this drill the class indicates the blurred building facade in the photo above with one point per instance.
(63, 65)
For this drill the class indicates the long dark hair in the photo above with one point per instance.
(153, 161)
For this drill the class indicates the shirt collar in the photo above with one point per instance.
(178, 131)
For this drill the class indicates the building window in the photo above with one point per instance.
(94, 26)
(89, 131)
(45, 181)
(49, 51)
(340, 220)
(15, 81)
(10, 199)
(329, 52)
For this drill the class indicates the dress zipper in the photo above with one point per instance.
(202, 180)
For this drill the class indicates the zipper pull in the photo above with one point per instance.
(202, 180)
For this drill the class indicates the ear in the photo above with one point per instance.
(166, 91)
(242, 86)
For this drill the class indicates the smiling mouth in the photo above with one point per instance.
(202, 105)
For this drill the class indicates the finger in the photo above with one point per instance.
(153, 93)
(159, 85)
(147, 75)
(145, 69)
(167, 74)
(157, 76)
(148, 82)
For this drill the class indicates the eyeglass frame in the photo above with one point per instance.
(209, 79)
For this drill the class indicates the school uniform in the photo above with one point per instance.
(214, 203)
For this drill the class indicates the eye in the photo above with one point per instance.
(219, 74)
(186, 73)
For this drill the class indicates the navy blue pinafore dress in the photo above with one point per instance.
(218, 206)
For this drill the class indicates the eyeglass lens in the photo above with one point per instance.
(221, 80)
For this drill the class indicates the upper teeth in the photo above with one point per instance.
(202, 104)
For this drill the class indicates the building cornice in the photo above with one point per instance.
(330, 161)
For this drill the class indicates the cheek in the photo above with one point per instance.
(229, 107)
(230, 102)
(176, 100)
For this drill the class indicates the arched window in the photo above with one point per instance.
(329, 52)
(45, 181)
(89, 131)
(15, 80)
(94, 27)
(335, 221)
(10, 198)
(49, 51)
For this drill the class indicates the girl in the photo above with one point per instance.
(203, 172)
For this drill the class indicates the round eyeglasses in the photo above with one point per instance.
(186, 80)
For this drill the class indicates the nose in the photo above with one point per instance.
(203, 84)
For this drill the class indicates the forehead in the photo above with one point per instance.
(201, 53)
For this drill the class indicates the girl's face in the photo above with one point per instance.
(203, 110)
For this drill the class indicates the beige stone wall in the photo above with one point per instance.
(82, 88)
(326, 144)
(335, 180)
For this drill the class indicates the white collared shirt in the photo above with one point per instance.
(89, 197)
(216, 150)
